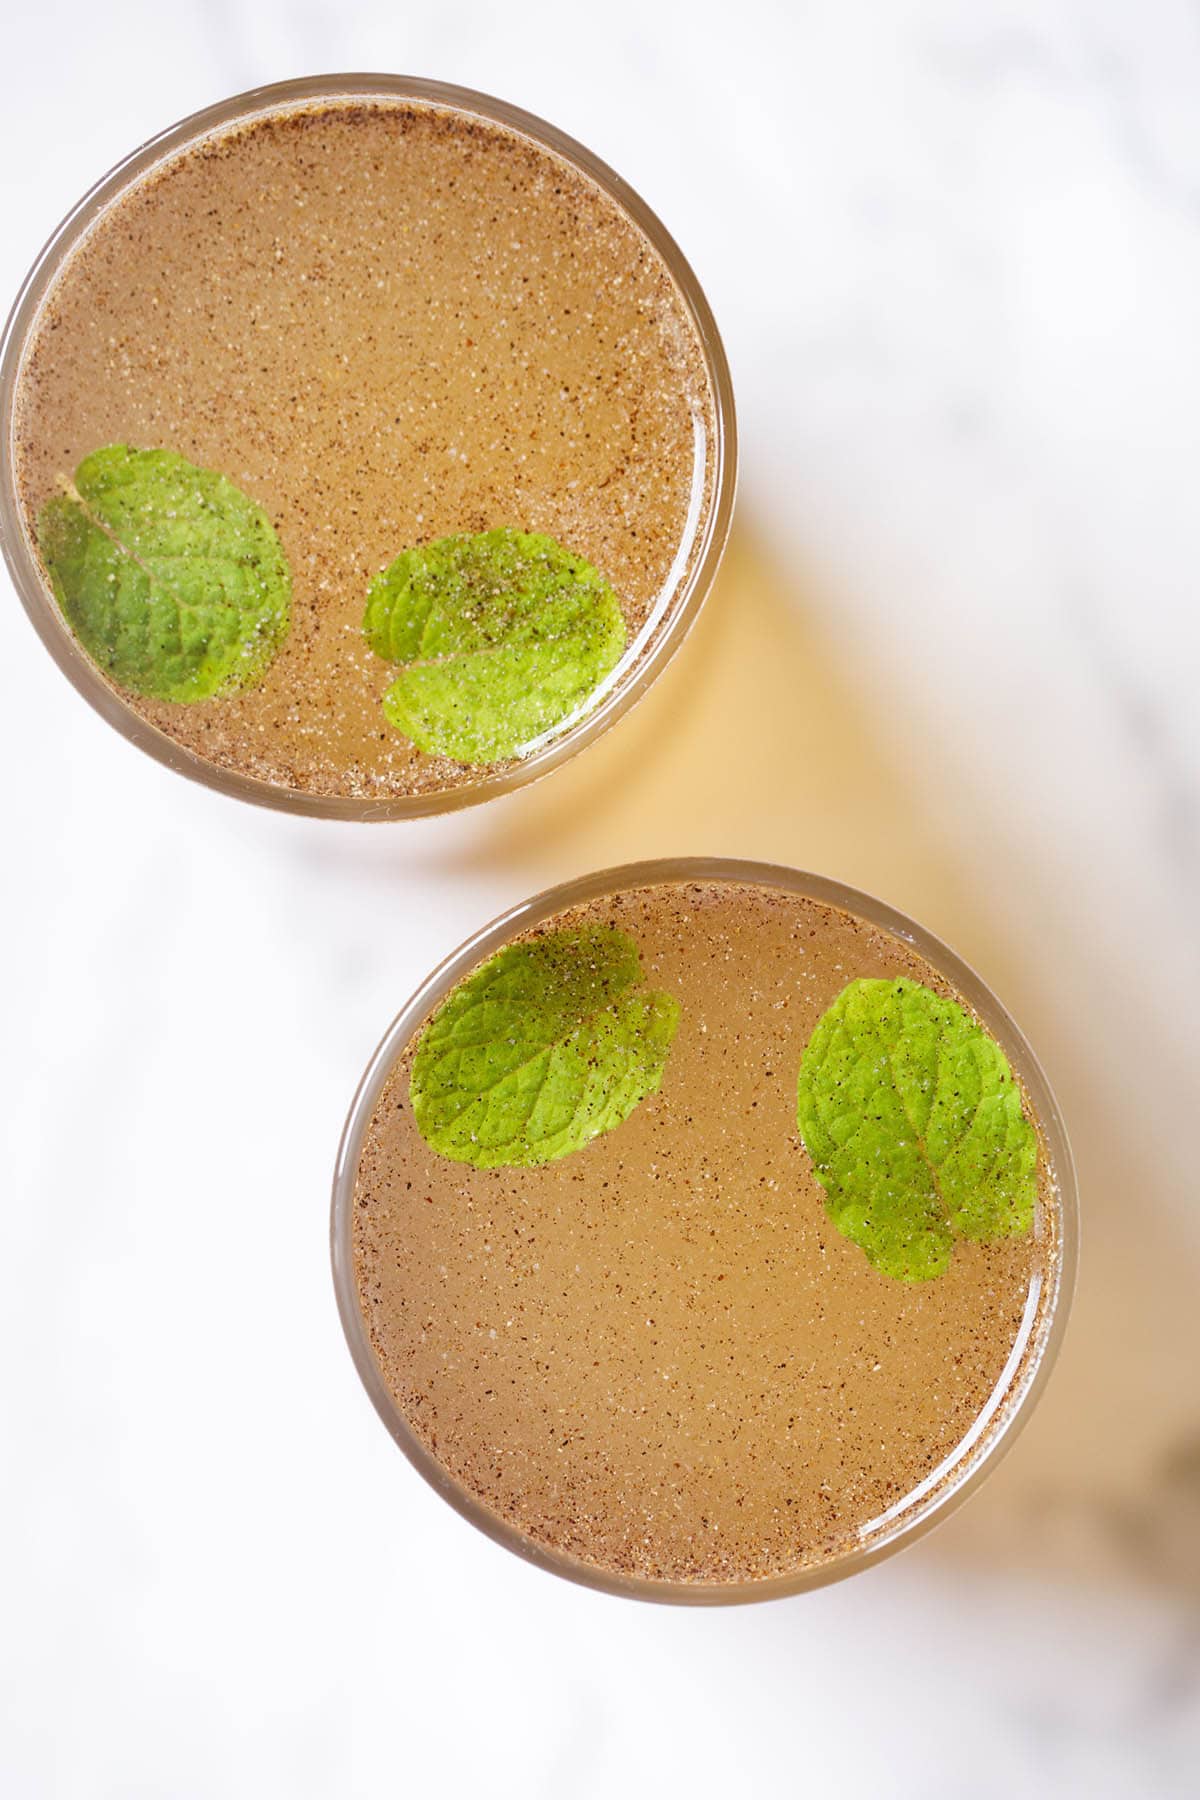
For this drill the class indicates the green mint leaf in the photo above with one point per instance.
(913, 1121)
(541, 1050)
(170, 577)
(504, 635)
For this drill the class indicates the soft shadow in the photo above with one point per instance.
(759, 742)
(755, 742)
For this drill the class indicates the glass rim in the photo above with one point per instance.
(1021, 1382)
(665, 637)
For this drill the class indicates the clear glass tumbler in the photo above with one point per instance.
(671, 617)
(1045, 1313)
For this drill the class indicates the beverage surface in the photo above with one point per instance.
(658, 1354)
(386, 324)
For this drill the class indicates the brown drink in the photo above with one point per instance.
(656, 1361)
(387, 321)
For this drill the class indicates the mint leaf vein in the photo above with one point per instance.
(172, 579)
(542, 1049)
(915, 1127)
(502, 634)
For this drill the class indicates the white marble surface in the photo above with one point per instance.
(955, 250)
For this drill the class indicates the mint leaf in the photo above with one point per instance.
(541, 1050)
(170, 577)
(913, 1121)
(504, 635)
